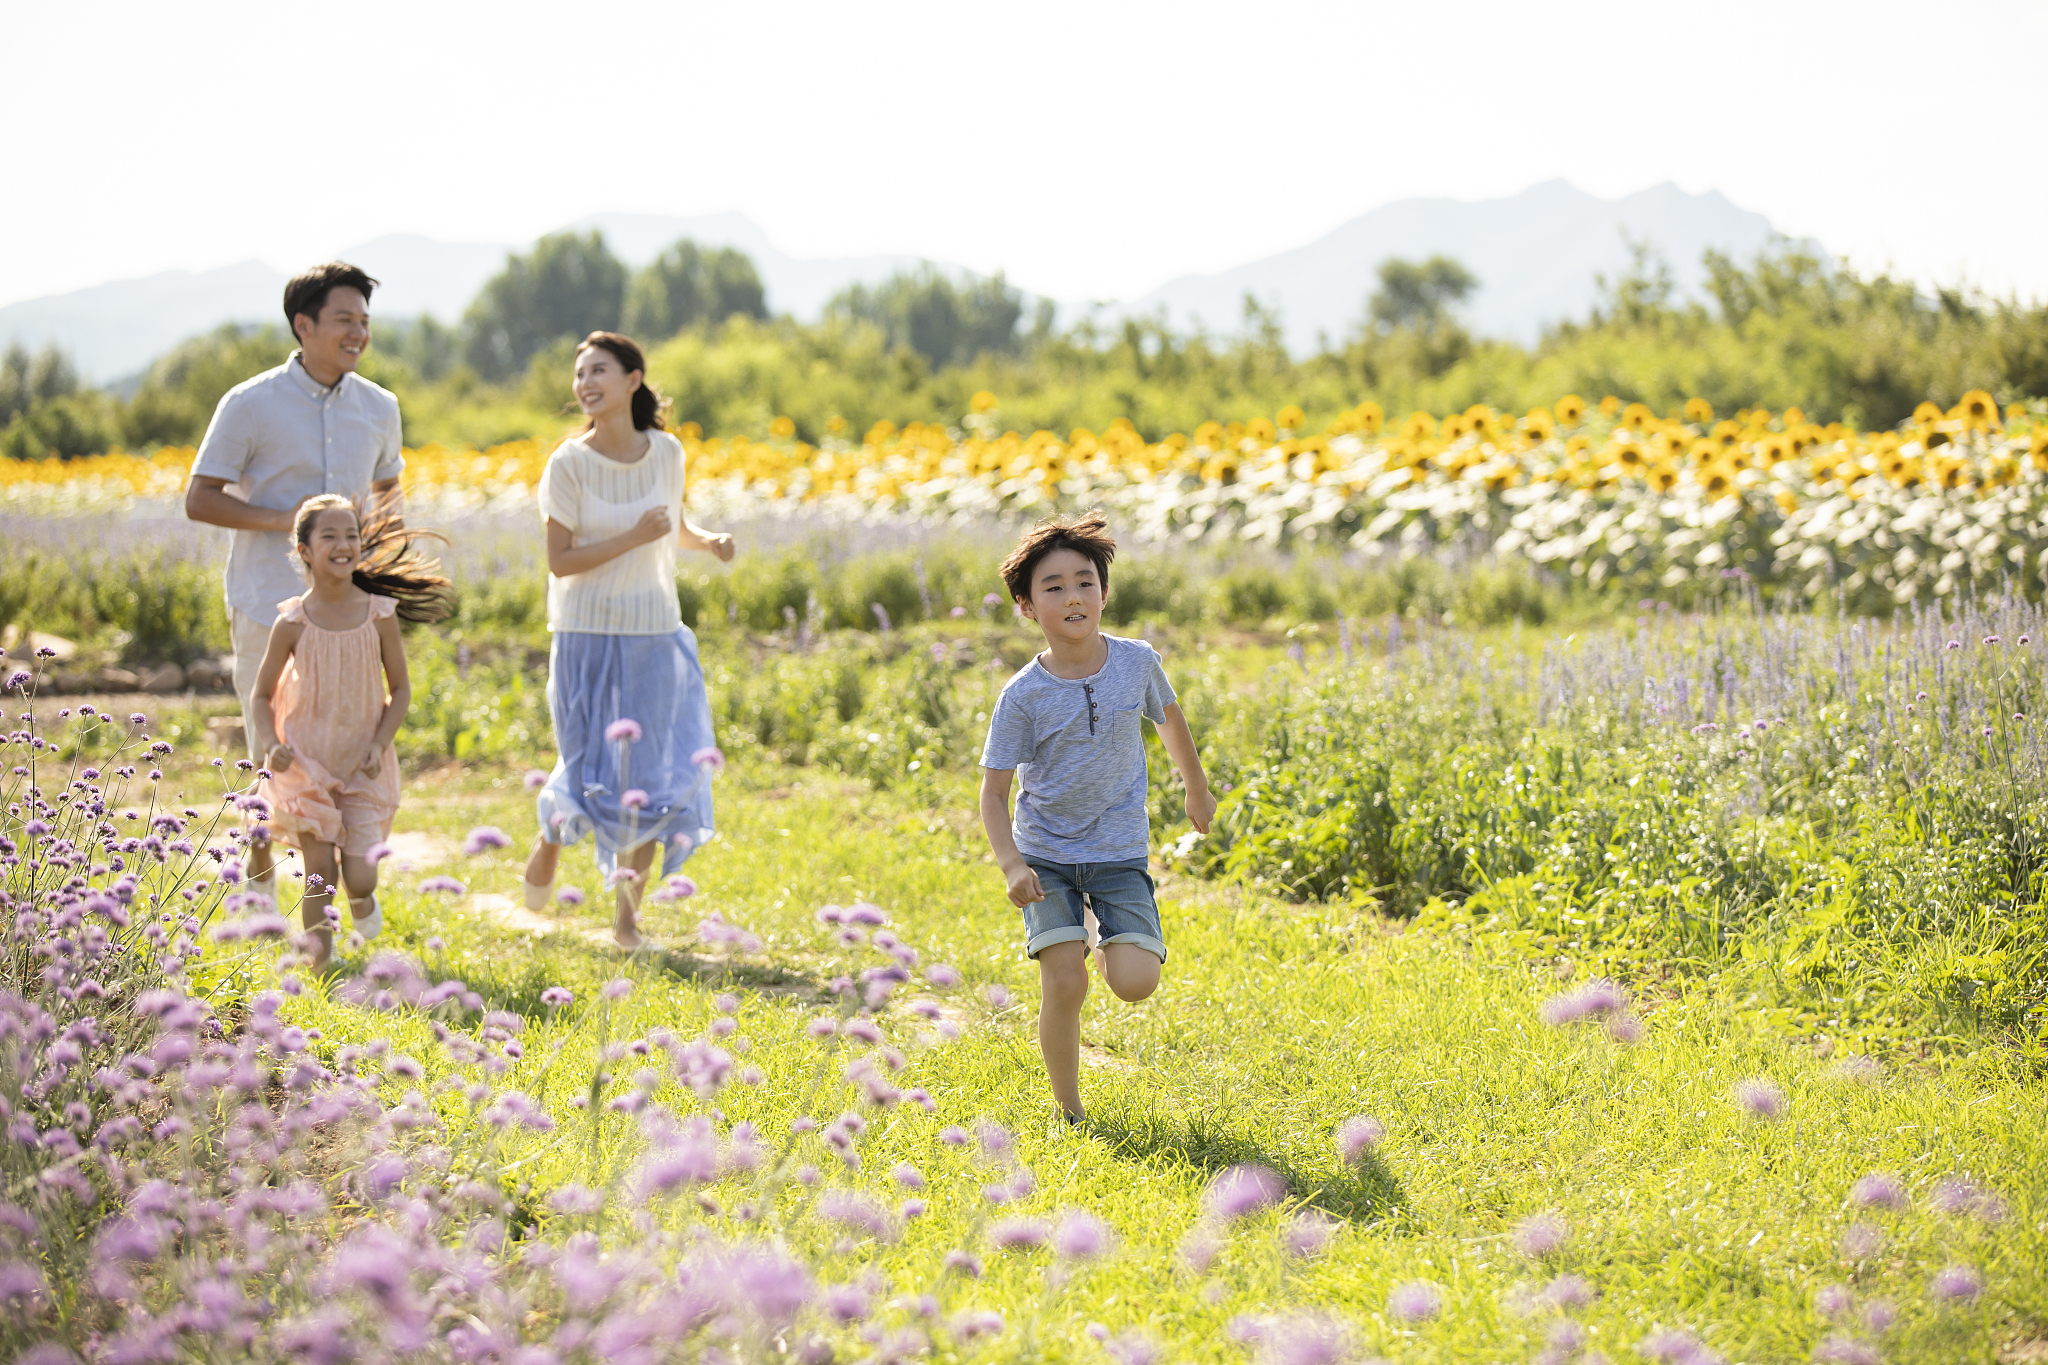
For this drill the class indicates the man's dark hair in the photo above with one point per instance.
(1087, 535)
(308, 290)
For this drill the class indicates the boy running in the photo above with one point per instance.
(1067, 724)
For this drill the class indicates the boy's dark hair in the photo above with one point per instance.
(1087, 534)
(307, 291)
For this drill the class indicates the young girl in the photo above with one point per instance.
(625, 691)
(330, 697)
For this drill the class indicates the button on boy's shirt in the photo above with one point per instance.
(1079, 754)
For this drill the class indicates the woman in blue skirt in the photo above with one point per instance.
(625, 691)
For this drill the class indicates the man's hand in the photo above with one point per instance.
(279, 758)
(1024, 888)
(1201, 808)
(654, 523)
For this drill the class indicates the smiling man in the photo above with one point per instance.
(312, 425)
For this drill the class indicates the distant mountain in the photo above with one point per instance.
(1535, 254)
(114, 330)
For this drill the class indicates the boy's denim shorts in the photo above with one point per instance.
(1120, 894)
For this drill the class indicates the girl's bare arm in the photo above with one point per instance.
(284, 638)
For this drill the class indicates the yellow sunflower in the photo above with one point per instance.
(1637, 417)
(2037, 448)
(1630, 457)
(1289, 418)
(1609, 405)
(1570, 409)
(782, 428)
(1787, 504)
(1419, 426)
(1727, 435)
(1927, 413)
(1793, 417)
(1698, 410)
(1369, 417)
(1539, 425)
(1663, 478)
(1717, 480)
(1260, 430)
(1209, 434)
(1455, 426)
(1978, 410)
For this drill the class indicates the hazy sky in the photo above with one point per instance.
(1093, 150)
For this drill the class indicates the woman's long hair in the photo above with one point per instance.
(647, 404)
(391, 564)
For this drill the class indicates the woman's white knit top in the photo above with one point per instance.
(596, 498)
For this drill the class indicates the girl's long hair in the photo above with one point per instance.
(391, 564)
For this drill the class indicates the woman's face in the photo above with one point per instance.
(603, 385)
(334, 545)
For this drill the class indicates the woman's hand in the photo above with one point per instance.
(722, 546)
(654, 523)
(279, 758)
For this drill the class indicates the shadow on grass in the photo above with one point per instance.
(1368, 1195)
(516, 984)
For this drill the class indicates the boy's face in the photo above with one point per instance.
(1066, 596)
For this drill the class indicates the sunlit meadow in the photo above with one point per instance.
(1665, 982)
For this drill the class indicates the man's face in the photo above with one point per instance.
(1066, 596)
(335, 341)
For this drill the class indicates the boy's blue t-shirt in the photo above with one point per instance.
(1079, 754)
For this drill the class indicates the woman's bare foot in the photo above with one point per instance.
(625, 932)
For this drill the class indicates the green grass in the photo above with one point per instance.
(1276, 1021)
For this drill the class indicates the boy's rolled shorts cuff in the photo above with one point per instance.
(1121, 894)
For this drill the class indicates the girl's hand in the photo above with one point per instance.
(279, 758)
(654, 523)
(372, 764)
(722, 546)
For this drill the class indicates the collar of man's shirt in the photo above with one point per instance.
(307, 384)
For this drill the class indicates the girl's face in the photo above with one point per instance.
(603, 385)
(334, 546)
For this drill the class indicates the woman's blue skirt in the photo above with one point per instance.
(656, 682)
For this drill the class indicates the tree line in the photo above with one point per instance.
(1787, 328)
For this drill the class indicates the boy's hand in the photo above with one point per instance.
(1024, 888)
(1201, 808)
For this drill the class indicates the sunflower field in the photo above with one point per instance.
(1955, 501)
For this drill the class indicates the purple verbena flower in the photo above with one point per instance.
(1241, 1190)
(618, 988)
(1414, 1301)
(1839, 1349)
(1878, 1190)
(1081, 1236)
(535, 779)
(633, 798)
(554, 997)
(1832, 1300)
(1760, 1097)
(622, 730)
(1593, 999)
(445, 885)
(1307, 1234)
(485, 837)
(1956, 1283)
(1358, 1136)
(1861, 1241)
(1017, 1234)
(1540, 1234)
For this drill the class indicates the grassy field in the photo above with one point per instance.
(1683, 1212)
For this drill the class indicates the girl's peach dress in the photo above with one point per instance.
(328, 705)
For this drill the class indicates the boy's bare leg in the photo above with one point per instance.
(1131, 971)
(625, 929)
(321, 874)
(1062, 987)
